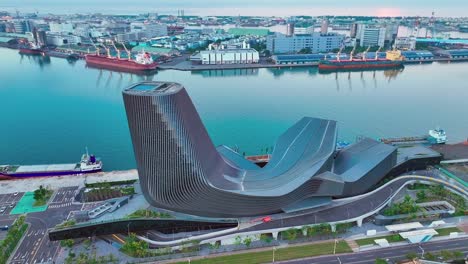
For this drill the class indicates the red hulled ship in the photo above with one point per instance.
(31, 49)
(142, 62)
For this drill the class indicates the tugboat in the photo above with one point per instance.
(142, 62)
(88, 164)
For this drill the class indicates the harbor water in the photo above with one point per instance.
(52, 109)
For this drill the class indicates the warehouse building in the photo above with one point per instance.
(454, 54)
(420, 55)
(226, 56)
(305, 58)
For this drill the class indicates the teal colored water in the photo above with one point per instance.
(52, 109)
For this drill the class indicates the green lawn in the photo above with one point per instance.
(281, 254)
(26, 205)
(446, 231)
(370, 241)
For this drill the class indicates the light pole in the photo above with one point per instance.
(273, 260)
(334, 247)
(422, 251)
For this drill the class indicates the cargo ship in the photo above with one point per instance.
(142, 62)
(88, 164)
(435, 136)
(31, 49)
(393, 60)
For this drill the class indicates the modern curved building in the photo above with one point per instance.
(181, 170)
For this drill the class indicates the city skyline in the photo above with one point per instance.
(452, 8)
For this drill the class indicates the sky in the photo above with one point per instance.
(447, 8)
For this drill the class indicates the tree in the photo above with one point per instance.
(421, 195)
(412, 255)
(291, 234)
(266, 238)
(380, 261)
(457, 254)
(247, 241)
(237, 240)
(446, 255)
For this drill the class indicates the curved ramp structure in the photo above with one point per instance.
(181, 170)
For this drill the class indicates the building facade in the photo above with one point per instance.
(62, 39)
(181, 170)
(226, 56)
(316, 42)
(405, 43)
(303, 30)
(372, 36)
(57, 27)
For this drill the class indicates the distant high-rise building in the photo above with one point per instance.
(391, 33)
(316, 42)
(20, 26)
(353, 30)
(290, 29)
(372, 36)
(324, 27)
(155, 30)
(41, 37)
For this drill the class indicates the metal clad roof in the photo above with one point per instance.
(402, 227)
(45, 168)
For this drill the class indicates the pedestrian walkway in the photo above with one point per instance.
(26, 205)
(353, 245)
(60, 205)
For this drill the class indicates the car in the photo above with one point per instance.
(15, 193)
(12, 205)
(4, 228)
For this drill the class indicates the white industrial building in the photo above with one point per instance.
(62, 39)
(316, 42)
(148, 30)
(303, 30)
(405, 43)
(61, 27)
(226, 56)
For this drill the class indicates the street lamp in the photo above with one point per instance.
(334, 248)
(422, 251)
(274, 249)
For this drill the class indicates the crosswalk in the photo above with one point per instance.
(60, 205)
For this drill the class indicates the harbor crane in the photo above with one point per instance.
(129, 54)
(364, 54)
(352, 53)
(116, 50)
(377, 53)
(338, 55)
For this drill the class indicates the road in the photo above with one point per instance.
(36, 247)
(392, 253)
(337, 212)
